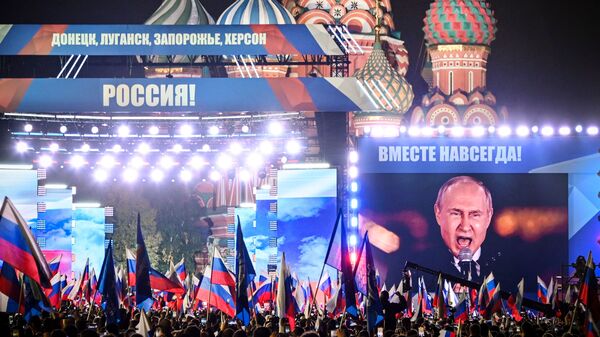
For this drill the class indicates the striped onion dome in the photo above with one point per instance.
(180, 12)
(383, 83)
(245, 12)
(460, 22)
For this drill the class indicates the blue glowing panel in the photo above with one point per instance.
(88, 238)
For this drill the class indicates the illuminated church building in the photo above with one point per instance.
(458, 34)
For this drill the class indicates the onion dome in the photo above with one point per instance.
(245, 12)
(459, 22)
(383, 83)
(180, 12)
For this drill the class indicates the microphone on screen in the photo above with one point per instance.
(465, 262)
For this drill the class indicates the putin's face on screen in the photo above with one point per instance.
(463, 211)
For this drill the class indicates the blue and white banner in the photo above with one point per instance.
(183, 94)
(166, 40)
(479, 155)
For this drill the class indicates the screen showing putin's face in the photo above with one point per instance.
(463, 212)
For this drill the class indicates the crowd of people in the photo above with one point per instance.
(73, 321)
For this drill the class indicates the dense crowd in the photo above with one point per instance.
(91, 322)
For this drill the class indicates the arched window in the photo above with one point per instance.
(450, 82)
(437, 79)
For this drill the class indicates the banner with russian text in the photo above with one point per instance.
(183, 95)
(59, 39)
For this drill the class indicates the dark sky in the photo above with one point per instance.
(543, 65)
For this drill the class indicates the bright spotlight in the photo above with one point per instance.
(367, 130)
(166, 162)
(578, 128)
(236, 148)
(123, 131)
(245, 128)
(353, 172)
(215, 175)
(352, 240)
(427, 131)
(177, 148)
(45, 161)
(22, 147)
(547, 131)
(491, 129)
(354, 221)
(100, 175)
(186, 130)
(153, 130)
(117, 148)
(77, 161)
(130, 175)
(185, 176)
(504, 131)
(196, 162)
(254, 161)
(353, 203)
(85, 147)
(157, 175)
(441, 130)
(478, 131)
(54, 147)
(28, 127)
(403, 129)
(266, 147)
(592, 130)
(353, 157)
(354, 186)
(564, 131)
(283, 159)
(353, 258)
(522, 131)
(275, 129)
(535, 129)
(213, 130)
(244, 175)
(293, 147)
(391, 131)
(205, 147)
(457, 131)
(63, 129)
(95, 129)
(107, 161)
(143, 148)
(137, 162)
(224, 161)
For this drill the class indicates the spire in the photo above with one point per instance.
(378, 24)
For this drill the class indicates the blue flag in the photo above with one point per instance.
(338, 257)
(107, 286)
(143, 294)
(245, 273)
(374, 310)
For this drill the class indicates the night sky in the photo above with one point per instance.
(542, 65)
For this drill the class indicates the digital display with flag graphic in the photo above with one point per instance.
(517, 207)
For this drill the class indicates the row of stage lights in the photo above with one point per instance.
(479, 131)
(274, 128)
(265, 147)
(353, 203)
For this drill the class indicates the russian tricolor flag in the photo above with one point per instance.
(10, 290)
(542, 291)
(219, 273)
(264, 293)
(54, 264)
(180, 270)
(130, 267)
(447, 333)
(215, 295)
(160, 282)
(54, 295)
(462, 311)
(18, 246)
(325, 284)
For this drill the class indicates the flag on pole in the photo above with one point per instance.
(542, 291)
(462, 311)
(54, 292)
(286, 306)
(10, 289)
(245, 273)
(219, 295)
(143, 295)
(338, 257)
(18, 246)
(588, 293)
(54, 264)
(143, 327)
(160, 282)
(107, 286)
(365, 276)
(220, 274)
(130, 268)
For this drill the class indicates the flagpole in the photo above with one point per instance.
(325, 262)
(210, 283)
